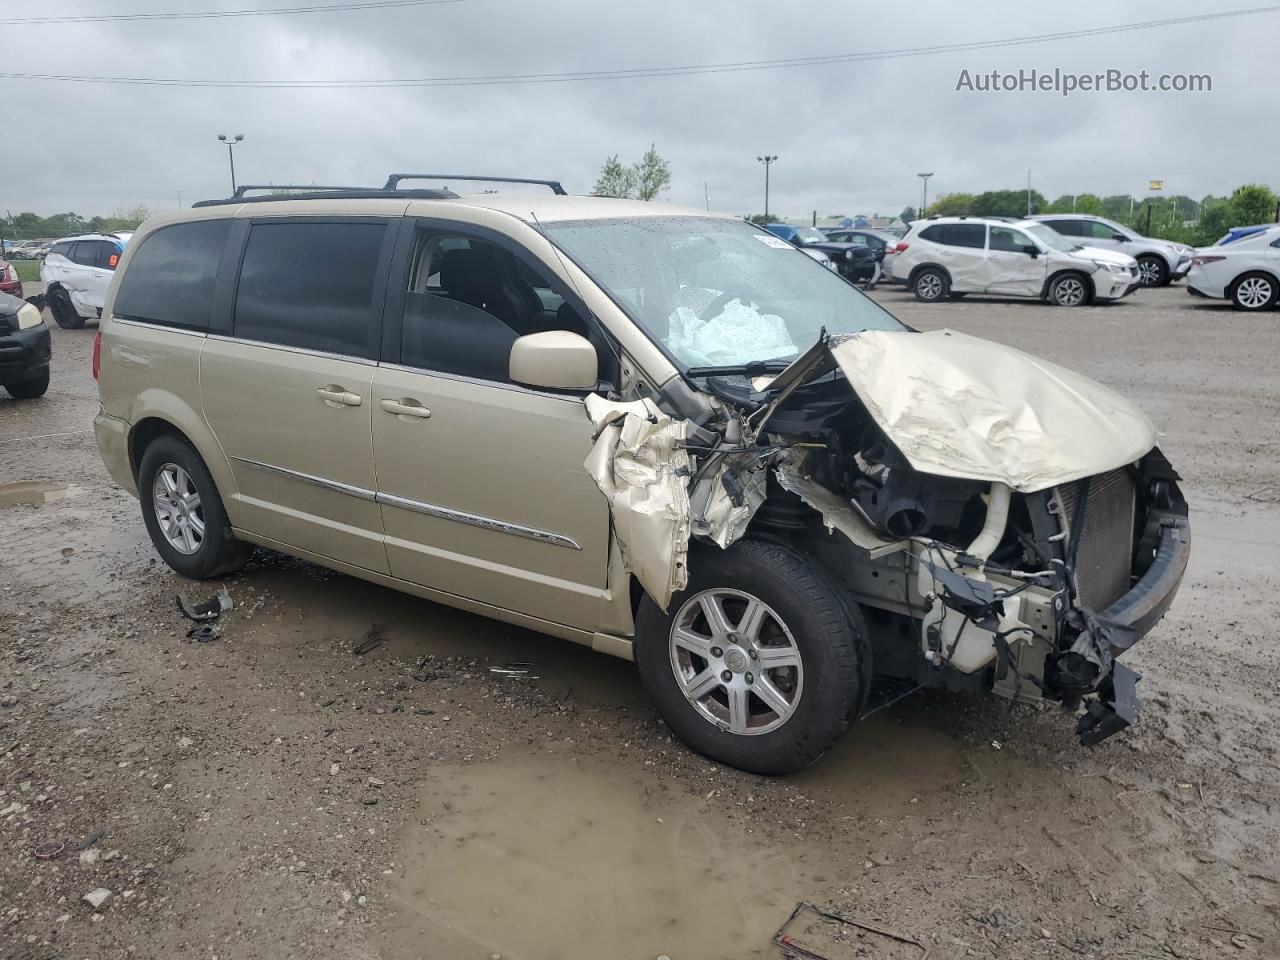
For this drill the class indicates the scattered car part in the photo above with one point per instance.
(210, 609)
(788, 938)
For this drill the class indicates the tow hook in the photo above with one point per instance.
(1114, 709)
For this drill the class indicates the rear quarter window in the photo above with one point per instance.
(170, 278)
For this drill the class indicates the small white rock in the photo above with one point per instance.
(96, 898)
(90, 856)
(333, 769)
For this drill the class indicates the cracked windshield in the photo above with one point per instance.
(717, 293)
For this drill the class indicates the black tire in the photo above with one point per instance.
(219, 552)
(828, 632)
(1153, 271)
(63, 311)
(29, 389)
(931, 285)
(1249, 291)
(1069, 290)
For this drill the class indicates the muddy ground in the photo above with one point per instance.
(273, 794)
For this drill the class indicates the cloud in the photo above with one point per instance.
(850, 136)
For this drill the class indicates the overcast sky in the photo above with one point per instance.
(851, 137)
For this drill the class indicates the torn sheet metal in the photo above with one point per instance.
(641, 466)
(725, 500)
(960, 406)
(836, 512)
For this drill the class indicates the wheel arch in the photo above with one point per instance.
(158, 414)
(918, 268)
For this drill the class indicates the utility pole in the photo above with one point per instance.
(924, 192)
(231, 142)
(768, 161)
(706, 193)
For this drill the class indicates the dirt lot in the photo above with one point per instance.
(272, 794)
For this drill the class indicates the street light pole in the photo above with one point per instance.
(767, 160)
(924, 191)
(231, 157)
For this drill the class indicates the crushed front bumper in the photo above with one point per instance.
(1115, 705)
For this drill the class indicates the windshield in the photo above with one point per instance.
(1050, 237)
(716, 293)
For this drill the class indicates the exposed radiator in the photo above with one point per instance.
(1104, 558)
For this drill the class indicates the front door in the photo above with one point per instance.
(1008, 267)
(480, 479)
(288, 393)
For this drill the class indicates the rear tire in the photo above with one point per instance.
(1153, 271)
(63, 310)
(931, 285)
(1069, 290)
(29, 389)
(190, 502)
(785, 716)
(1254, 291)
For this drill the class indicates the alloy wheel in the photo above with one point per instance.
(1148, 272)
(1069, 292)
(736, 661)
(178, 509)
(929, 286)
(1254, 293)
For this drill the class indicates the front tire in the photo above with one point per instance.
(64, 311)
(183, 512)
(931, 285)
(1153, 271)
(1254, 291)
(1069, 290)
(759, 663)
(29, 389)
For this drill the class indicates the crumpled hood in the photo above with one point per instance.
(960, 406)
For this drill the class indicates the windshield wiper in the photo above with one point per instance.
(751, 369)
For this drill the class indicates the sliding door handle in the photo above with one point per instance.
(338, 396)
(406, 409)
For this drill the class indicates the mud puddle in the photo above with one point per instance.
(545, 854)
(34, 493)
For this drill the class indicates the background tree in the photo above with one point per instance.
(952, 205)
(615, 180)
(1253, 203)
(908, 214)
(652, 174)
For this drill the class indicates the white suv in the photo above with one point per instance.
(1159, 261)
(77, 273)
(950, 256)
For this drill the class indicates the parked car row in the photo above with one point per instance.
(856, 254)
(30, 250)
(1071, 260)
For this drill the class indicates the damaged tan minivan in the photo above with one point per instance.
(665, 434)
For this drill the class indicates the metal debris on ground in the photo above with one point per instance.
(518, 669)
(816, 934)
(210, 609)
(204, 632)
(373, 639)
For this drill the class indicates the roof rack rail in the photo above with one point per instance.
(393, 181)
(329, 193)
(298, 188)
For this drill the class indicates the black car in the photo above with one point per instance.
(857, 262)
(24, 348)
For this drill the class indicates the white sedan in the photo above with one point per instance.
(1246, 272)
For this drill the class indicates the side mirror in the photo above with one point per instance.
(556, 359)
(1119, 238)
(1031, 250)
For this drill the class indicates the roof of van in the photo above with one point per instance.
(526, 206)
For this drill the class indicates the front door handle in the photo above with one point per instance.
(338, 396)
(406, 409)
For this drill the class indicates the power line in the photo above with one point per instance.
(651, 72)
(219, 14)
